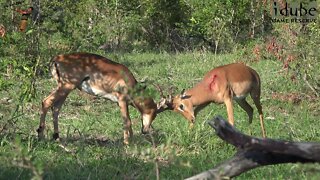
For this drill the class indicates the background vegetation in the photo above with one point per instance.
(172, 43)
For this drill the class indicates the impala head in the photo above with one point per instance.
(180, 103)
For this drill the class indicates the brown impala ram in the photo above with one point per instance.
(221, 85)
(97, 76)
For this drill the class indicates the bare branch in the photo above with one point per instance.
(255, 152)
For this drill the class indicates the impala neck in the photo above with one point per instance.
(199, 95)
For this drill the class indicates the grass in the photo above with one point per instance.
(91, 128)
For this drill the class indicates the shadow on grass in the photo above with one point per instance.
(153, 139)
(94, 158)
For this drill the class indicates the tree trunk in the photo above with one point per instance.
(255, 152)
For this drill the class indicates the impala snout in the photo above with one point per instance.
(193, 119)
(190, 117)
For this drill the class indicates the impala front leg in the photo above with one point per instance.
(127, 129)
(229, 105)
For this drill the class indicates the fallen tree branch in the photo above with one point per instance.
(255, 152)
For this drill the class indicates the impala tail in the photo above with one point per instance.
(53, 67)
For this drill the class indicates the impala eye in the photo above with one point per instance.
(181, 107)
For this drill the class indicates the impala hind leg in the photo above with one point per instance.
(255, 95)
(127, 129)
(54, 97)
(55, 113)
(46, 104)
(246, 106)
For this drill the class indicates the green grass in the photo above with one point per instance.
(92, 128)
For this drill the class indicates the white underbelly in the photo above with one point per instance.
(86, 87)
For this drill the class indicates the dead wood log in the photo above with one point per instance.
(254, 152)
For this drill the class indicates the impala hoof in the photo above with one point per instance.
(40, 133)
(55, 136)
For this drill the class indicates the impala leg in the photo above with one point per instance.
(246, 106)
(256, 99)
(55, 112)
(229, 105)
(48, 102)
(127, 129)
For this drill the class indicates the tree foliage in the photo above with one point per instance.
(160, 25)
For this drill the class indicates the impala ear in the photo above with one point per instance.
(183, 94)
